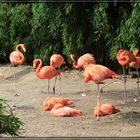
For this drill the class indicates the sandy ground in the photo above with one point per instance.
(27, 93)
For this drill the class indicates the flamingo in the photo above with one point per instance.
(56, 60)
(50, 102)
(97, 73)
(16, 57)
(83, 62)
(136, 64)
(45, 72)
(60, 110)
(124, 57)
(105, 109)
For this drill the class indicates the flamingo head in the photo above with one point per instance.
(72, 56)
(135, 52)
(35, 62)
(22, 46)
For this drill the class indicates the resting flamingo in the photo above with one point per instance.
(56, 60)
(16, 57)
(105, 109)
(97, 73)
(45, 72)
(60, 110)
(124, 57)
(83, 62)
(50, 102)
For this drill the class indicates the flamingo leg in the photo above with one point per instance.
(60, 84)
(14, 78)
(85, 88)
(124, 76)
(138, 80)
(98, 101)
(54, 84)
(14, 75)
(48, 85)
(108, 84)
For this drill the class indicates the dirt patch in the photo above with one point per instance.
(26, 94)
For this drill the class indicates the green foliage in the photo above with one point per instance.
(46, 37)
(128, 33)
(5, 43)
(20, 26)
(9, 123)
(99, 20)
(100, 28)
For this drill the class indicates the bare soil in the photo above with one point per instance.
(26, 94)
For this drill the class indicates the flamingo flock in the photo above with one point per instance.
(61, 107)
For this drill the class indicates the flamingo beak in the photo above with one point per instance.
(24, 49)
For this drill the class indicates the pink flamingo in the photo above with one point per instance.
(50, 102)
(60, 110)
(45, 72)
(124, 57)
(16, 57)
(105, 109)
(56, 60)
(97, 73)
(83, 62)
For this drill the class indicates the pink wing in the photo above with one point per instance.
(105, 109)
(50, 102)
(65, 111)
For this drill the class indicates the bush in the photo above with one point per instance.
(9, 123)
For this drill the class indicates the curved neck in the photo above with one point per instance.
(21, 55)
(72, 56)
(39, 66)
(17, 48)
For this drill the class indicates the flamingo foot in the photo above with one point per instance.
(135, 99)
(16, 94)
(97, 118)
(83, 94)
(60, 93)
(124, 103)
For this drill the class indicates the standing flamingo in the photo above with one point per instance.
(97, 73)
(45, 72)
(16, 57)
(83, 62)
(56, 60)
(124, 57)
